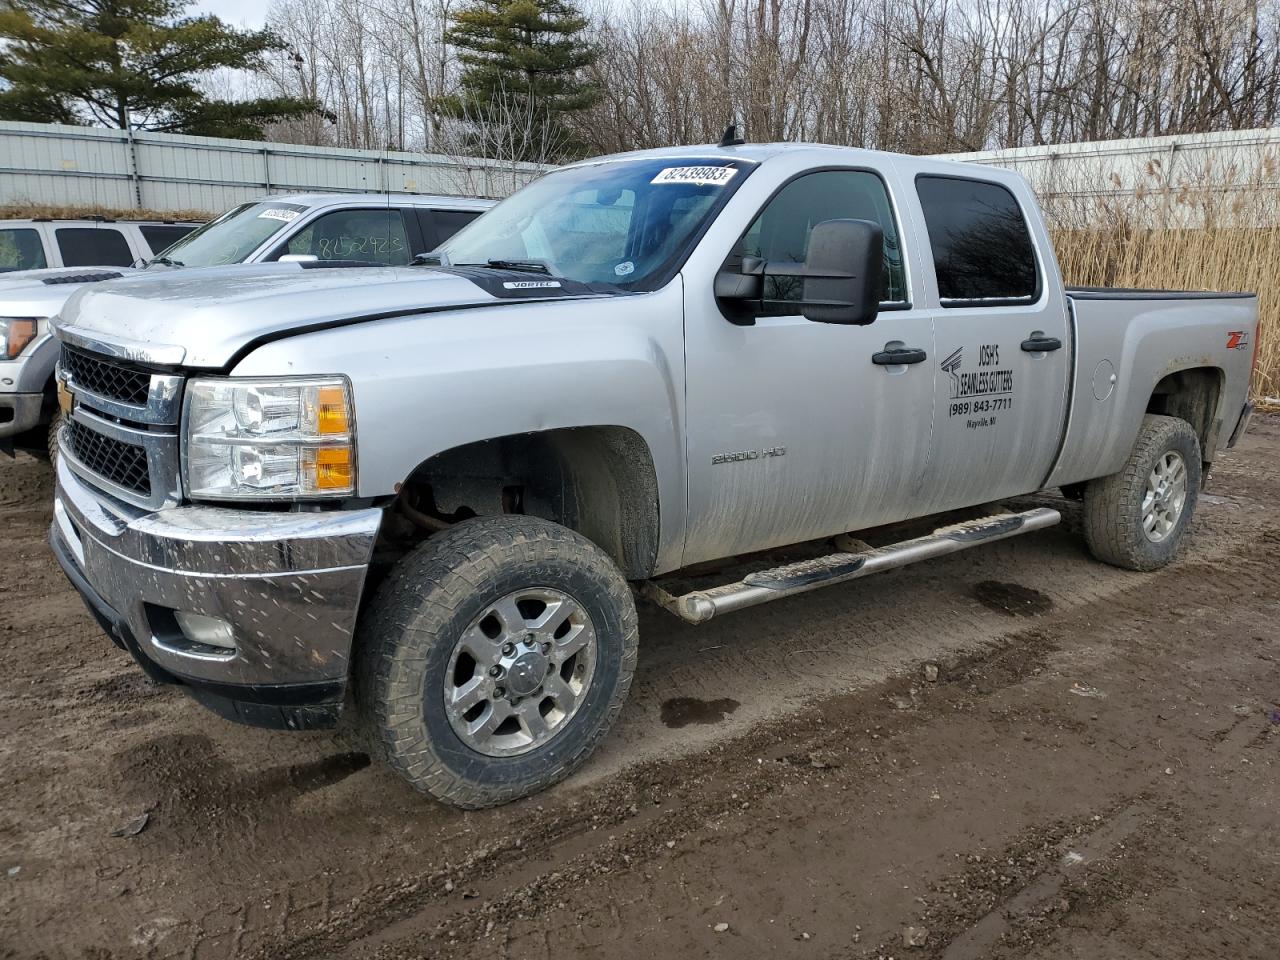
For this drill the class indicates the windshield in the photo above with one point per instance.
(233, 236)
(624, 222)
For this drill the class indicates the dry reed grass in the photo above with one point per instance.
(23, 211)
(1215, 231)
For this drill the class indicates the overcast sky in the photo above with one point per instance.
(238, 13)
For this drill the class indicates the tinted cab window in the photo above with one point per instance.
(376, 236)
(21, 249)
(159, 236)
(439, 225)
(781, 231)
(982, 249)
(93, 247)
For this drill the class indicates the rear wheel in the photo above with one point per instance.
(1137, 518)
(495, 657)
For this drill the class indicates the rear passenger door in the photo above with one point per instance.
(1003, 351)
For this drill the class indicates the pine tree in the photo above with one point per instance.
(522, 58)
(130, 64)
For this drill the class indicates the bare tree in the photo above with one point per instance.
(919, 76)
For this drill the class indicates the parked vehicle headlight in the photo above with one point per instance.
(15, 334)
(268, 439)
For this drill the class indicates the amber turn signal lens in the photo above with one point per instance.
(332, 418)
(20, 333)
(333, 468)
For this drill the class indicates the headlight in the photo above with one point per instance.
(268, 439)
(15, 334)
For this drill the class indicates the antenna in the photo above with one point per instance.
(731, 138)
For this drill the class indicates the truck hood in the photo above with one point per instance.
(41, 293)
(205, 317)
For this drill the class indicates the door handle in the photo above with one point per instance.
(1039, 343)
(897, 356)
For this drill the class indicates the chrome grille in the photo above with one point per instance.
(106, 378)
(124, 464)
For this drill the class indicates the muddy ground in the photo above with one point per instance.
(1091, 773)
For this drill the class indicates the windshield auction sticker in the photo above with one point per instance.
(701, 176)
(278, 213)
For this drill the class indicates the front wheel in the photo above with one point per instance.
(495, 657)
(1136, 518)
(55, 427)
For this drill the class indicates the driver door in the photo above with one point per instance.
(794, 431)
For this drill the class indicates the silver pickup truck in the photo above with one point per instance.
(439, 487)
(370, 228)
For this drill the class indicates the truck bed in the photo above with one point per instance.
(1142, 293)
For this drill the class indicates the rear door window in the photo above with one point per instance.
(93, 247)
(21, 249)
(982, 249)
(373, 236)
(160, 236)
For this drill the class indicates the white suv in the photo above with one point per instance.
(37, 243)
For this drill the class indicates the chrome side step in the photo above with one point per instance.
(762, 586)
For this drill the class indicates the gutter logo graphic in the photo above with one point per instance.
(949, 366)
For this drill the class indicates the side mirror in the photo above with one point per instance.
(842, 272)
(839, 281)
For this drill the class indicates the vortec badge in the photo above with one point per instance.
(529, 284)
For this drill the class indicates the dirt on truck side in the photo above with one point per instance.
(1014, 752)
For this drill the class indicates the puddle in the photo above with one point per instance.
(682, 711)
(1012, 598)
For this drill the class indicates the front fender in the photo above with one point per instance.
(428, 383)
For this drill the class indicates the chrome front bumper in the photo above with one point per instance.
(288, 583)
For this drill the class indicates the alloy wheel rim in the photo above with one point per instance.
(1165, 497)
(520, 671)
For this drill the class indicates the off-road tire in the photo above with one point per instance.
(1113, 505)
(54, 426)
(413, 623)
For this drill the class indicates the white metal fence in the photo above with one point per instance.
(1228, 162)
(77, 166)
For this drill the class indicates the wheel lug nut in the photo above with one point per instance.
(508, 648)
(546, 648)
(495, 671)
(499, 692)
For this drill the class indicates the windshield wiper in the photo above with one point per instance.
(527, 266)
(166, 262)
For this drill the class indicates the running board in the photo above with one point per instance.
(765, 585)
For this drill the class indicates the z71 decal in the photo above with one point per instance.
(978, 395)
(1238, 340)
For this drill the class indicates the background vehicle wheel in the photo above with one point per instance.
(495, 657)
(1136, 518)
